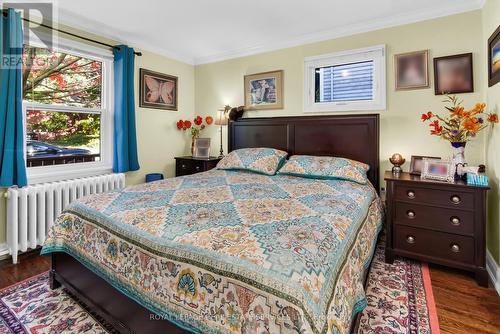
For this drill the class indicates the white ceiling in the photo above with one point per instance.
(201, 31)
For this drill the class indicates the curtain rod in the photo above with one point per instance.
(74, 35)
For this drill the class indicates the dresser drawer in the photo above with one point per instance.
(436, 244)
(442, 219)
(449, 198)
(183, 167)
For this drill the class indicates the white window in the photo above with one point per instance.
(68, 104)
(346, 81)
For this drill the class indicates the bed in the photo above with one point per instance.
(230, 251)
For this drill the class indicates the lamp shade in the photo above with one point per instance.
(221, 118)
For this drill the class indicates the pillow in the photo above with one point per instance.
(326, 168)
(261, 160)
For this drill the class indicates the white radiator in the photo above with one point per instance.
(31, 210)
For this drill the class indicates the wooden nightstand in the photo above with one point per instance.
(437, 222)
(188, 165)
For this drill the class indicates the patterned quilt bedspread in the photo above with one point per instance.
(231, 251)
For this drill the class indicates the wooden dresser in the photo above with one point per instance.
(437, 222)
(188, 165)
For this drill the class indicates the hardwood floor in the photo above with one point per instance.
(463, 307)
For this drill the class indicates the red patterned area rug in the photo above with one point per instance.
(399, 300)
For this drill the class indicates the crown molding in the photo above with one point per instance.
(99, 29)
(372, 25)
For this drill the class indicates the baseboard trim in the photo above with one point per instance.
(493, 271)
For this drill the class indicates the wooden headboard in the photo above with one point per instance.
(349, 136)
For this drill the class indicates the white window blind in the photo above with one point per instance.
(345, 81)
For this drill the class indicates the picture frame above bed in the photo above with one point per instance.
(264, 90)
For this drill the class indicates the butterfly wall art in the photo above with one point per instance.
(157, 90)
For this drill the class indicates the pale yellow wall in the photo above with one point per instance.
(157, 137)
(491, 20)
(401, 129)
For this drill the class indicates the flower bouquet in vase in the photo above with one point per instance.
(195, 128)
(459, 126)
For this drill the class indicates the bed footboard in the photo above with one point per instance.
(121, 312)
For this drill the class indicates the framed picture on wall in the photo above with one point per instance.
(157, 90)
(264, 90)
(412, 70)
(453, 74)
(494, 58)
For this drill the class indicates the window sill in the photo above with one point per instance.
(66, 172)
(345, 106)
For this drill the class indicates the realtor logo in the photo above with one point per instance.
(35, 16)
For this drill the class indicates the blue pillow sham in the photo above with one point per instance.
(326, 168)
(260, 160)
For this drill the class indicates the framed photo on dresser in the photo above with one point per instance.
(437, 169)
(417, 163)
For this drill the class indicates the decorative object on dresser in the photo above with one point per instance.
(188, 165)
(412, 70)
(201, 148)
(264, 90)
(494, 58)
(437, 169)
(196, 129)
(157, 90)
(417, 163)
(397, 161)
(222, 120)
(437, 222)
(458, 126)
(453, 74)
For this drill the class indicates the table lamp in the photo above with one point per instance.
(221, 120)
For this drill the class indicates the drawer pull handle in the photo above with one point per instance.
(410, 214)
(183, 166)
(410, 239)
(455, 248)
(455, 221)
(197, 167)
(410, 194)
(455, 199)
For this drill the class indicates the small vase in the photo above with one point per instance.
(459, 159)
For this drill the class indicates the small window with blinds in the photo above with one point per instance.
(346, 81)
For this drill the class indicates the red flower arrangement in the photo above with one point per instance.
(459, 125)
(198, 126)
